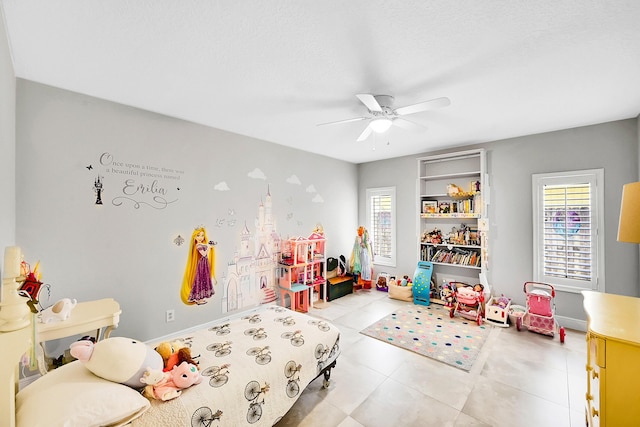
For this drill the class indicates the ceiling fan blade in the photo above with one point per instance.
(365, 133)
(423, 106)
(408, 125)
(355, 119)
(370, 101)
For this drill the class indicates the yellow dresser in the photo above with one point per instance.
(613, 359)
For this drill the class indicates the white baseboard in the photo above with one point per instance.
(235, 315)
(571, 323)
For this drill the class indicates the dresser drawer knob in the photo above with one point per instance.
(594, 412)
(595, 375)
(589, 396)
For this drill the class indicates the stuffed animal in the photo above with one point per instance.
(169, 349)
(184, 355)
(435, 236)
(453, 189)
(59, 311)
(118, 359)
(152, 377)
(503, 302)
(173, 353)
(447, 294)
(173, 382)
(406, 281)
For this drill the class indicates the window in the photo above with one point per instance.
(567, 227)
(381, 217)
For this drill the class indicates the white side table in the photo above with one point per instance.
(85, 317)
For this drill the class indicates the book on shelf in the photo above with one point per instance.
(459, 256)
(466, 206)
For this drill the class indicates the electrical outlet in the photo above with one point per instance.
(171, 315)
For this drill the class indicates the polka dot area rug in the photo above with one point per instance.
(431, 332)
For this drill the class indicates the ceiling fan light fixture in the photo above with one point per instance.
(380, 125)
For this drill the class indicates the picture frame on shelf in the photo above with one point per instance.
(444, 207)
(429, 207)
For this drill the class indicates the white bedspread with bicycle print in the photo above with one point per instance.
(254, 367)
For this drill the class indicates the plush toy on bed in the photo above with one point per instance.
(169, 385)
(152, 377)
(118, 359)
(174, 353)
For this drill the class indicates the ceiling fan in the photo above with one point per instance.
(382, 114)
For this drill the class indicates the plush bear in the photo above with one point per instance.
(118, 359)
(171, 383)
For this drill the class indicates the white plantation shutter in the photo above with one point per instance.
(381, 219)
(567, 231)
(566, 224)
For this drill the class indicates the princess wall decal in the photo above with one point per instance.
(199, 275)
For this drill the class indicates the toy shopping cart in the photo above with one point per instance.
(468, 302)
(539, 316)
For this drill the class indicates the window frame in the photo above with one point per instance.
(370, 194)
(595, 177)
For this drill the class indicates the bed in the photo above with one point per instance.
(254, 365)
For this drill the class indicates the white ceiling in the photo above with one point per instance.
(273, 70)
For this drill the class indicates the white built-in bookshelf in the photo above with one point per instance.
(452, 210)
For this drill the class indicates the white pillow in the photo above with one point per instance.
(72, 396)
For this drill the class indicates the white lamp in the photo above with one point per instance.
(629, 225)
(380, 125)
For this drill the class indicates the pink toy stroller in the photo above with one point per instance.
(468, 303)
(539, 316)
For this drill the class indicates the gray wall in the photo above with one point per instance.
(612, 146)
(510, 164)
(91, 252)
(125, 250)
(7, 143)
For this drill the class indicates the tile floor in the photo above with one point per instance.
(519, 379)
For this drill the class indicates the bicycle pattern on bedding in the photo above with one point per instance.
(257, 359)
